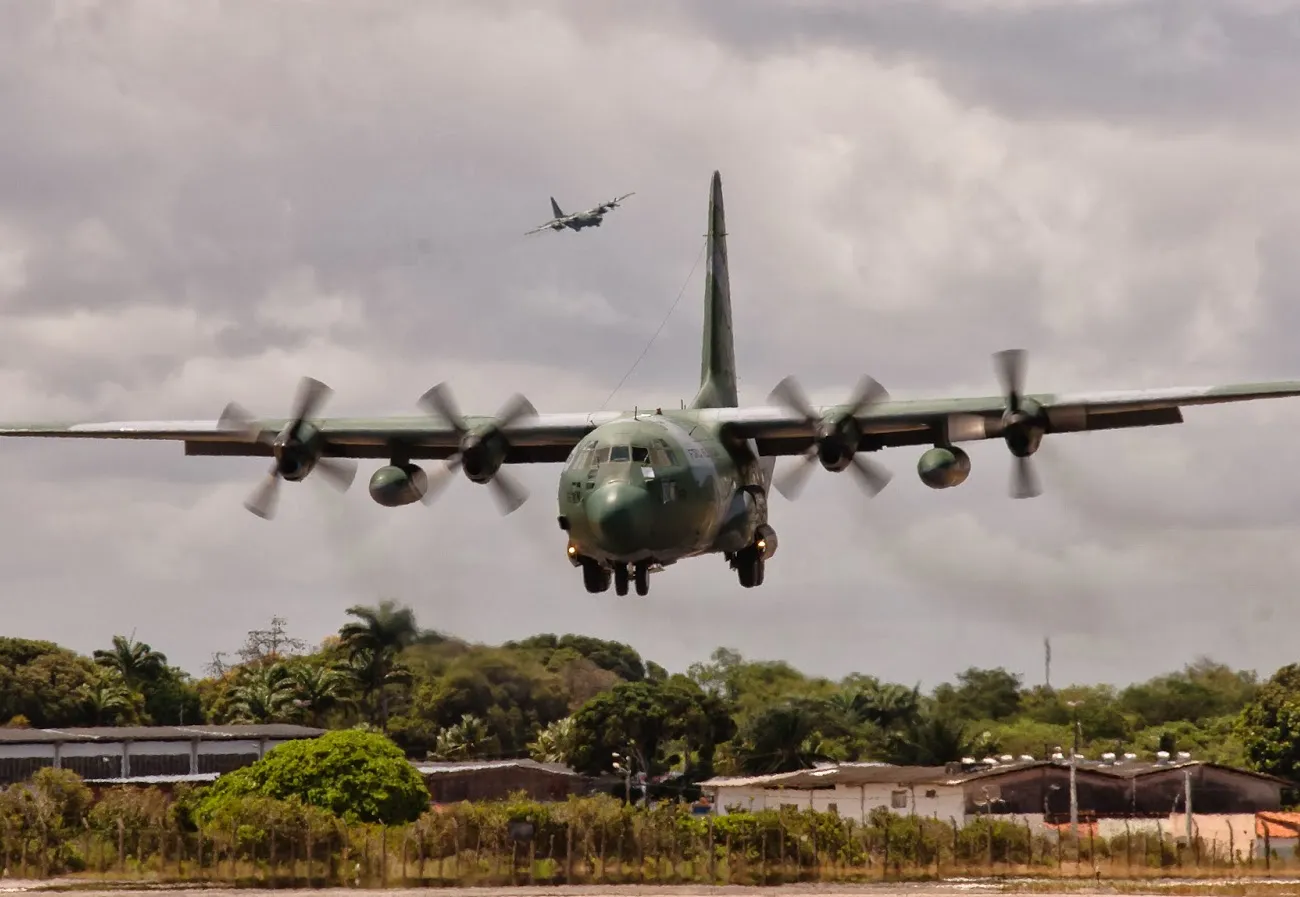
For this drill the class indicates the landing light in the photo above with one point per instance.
(573, 549)
(762, 544)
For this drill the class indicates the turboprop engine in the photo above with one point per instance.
(394, 485)
(943, 467)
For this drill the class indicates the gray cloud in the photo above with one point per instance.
(203, 203)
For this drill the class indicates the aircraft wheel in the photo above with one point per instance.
(643, 579)
(595, 577)
(749, 567)
(620, 579)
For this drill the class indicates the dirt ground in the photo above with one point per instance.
(1040, 888)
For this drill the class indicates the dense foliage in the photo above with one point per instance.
(355, 775)
(595, 703)
(49, 828)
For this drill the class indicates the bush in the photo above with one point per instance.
(357, 776)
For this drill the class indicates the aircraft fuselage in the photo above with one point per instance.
(657, 488)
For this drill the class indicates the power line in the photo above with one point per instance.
(662, 324)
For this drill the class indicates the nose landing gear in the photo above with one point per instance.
(638, 573)
(596, 577)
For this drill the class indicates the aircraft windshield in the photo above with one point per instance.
(658, 456)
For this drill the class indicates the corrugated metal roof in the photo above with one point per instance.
(863, 774)
(157, 780)
(157, 733)
(431, 767)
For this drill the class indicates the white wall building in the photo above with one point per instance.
(852, 790)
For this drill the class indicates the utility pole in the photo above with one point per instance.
(1074, 790)
(1187, 801)
(1047, 662)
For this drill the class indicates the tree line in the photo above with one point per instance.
(601, 707)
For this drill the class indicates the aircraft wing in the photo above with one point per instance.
(892, 422)
(546, 438)
(549, 438)
(542, 227)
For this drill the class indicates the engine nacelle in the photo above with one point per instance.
(395, 485)
(943, 467)
(765, 537)
(482, 455)
(296, 452)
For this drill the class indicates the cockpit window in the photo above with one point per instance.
(602, 454)
(662, 456)
(640, 455)
(582, 458)
(619, 453)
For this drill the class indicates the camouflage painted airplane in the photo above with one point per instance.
(578, 220)
(641, 490)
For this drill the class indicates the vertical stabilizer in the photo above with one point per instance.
(718, 364)
(555, 207)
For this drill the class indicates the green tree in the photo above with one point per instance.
(358, 776)
(1269, 726)
(373, 645)
(44, 683)
(638, 719)
(980, 694)
(108, 700)
(935, 739)
(783, 738)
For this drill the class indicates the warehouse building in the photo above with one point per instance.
(129, 752)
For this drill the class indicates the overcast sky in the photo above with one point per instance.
(204, 201)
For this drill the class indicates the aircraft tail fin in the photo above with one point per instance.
(555, 207)
(718, 362)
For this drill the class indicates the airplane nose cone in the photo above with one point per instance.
(619, 514)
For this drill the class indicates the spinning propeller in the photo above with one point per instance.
(616, 202)
(297, 448)
(1023, 422)
(835, 437)
(482, 449)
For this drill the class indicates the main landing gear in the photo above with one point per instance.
(749, 565)
(596, 577)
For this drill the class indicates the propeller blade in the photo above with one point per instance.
(439, 477)
(789, 394)
(1024, 479)
(262, 501)
(791, 482)
(238, 419)
(438, 400)
(868, 393)
(338, 472)
(516, 408)
(509, 493)
(1010, 364)
(311, 395)
(871, 475)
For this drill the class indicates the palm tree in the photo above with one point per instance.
(935, 739)
(317, 689)
(466, 739)
(783, 738)
(107, 696)
(373, 645)
(264, 695)
(137, 661)
(555, 743)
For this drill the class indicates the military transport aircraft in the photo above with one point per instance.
(578, 220)
(641, 490)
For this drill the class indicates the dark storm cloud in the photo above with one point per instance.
(204, 202)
